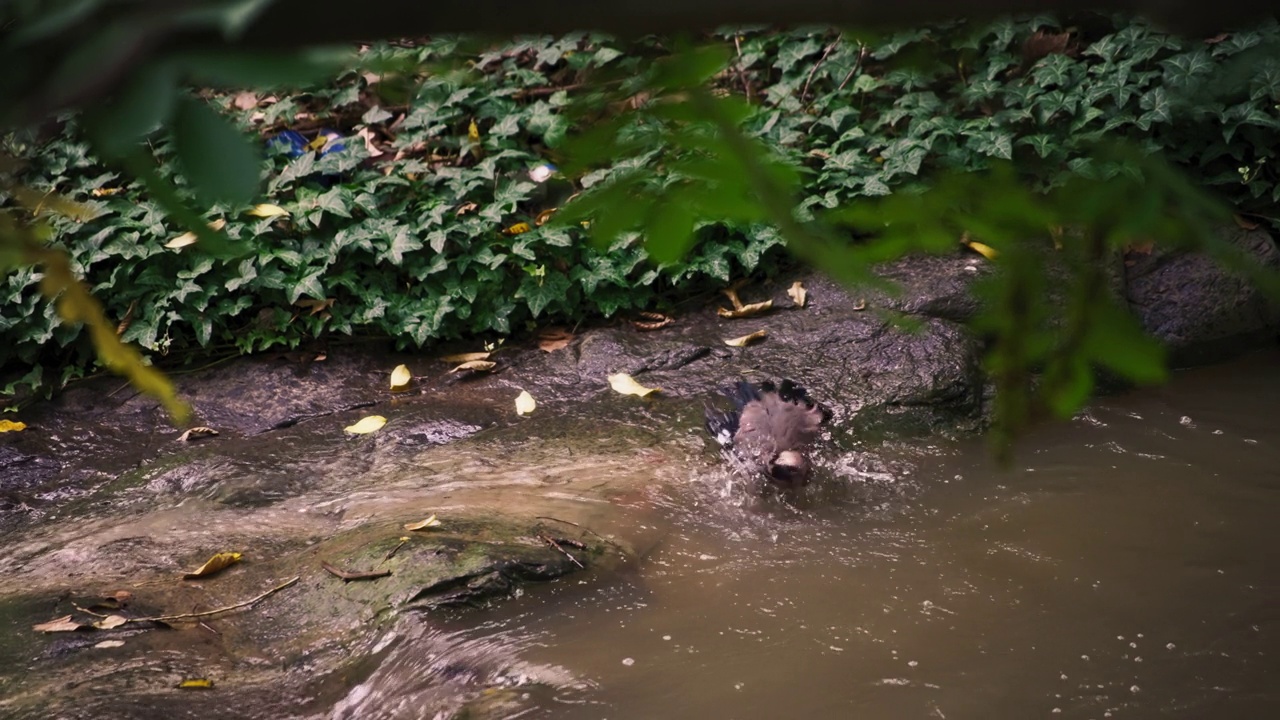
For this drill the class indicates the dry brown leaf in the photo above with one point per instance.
(423, 524)
(1244, 223)
(554, 338)
(746, 340)
(652, 321)
(466, 357)
(245, 100)
(465, 208)
(732, 294)
(111, 622)
(475, 366)
(196, 433)
(266, 210)
(128, 318)
(1216, 39)
(316, 306)
(367, 135)
(109, 644)
(745, 311)
(215, 564)
(798, 294)
(62, 624)
(627, 385)
(1042, 44)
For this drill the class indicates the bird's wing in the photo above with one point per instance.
(791, 425)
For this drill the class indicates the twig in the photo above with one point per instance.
(805, 90)
(742, 73)
(552, 90)
(207, 613)
(87, 611)
(857, 65)
(552, 542)
(391, 553)
(349, 576)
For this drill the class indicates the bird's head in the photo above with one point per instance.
(789, 468)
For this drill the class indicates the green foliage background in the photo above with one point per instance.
(399, 248)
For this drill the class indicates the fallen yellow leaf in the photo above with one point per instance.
(196, 684)
(746, 310)
(423, 524)
(986, 251)
(518, 229)
(475, 366)
(465, 357)
(746, 340)
(11, 426)
(473, 132)
(400, 378)
(366, 425)
(267, 210)
(189, 238)
(217, 563)
(525, 403)
(197, 432)
(798, 293)
(627, 385)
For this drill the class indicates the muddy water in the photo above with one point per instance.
(1127, 566)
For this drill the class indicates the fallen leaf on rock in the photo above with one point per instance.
(62, 624)
(982, 249)
(110, 622)
(1244, 223)
(652, 321)
(732, 294)
(114, 601)
(745, 311)
(400, 377)
(349, 575)
(423, 524)
(195, 684)
(109, 644)
(189, 238)
(366, 425)
(12, 426)
(525, 403)
(215, 564)
(196, 433)
(798, 293)
(627, 385)
(466, 357)
(553, 339)
(475, 366)
(267, 210)
(746, 340)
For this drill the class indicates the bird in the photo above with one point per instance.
(768, 430)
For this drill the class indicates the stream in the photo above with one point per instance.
(1125, 566)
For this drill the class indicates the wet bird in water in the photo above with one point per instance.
(768, 430)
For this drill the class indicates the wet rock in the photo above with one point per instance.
(1202, 311)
